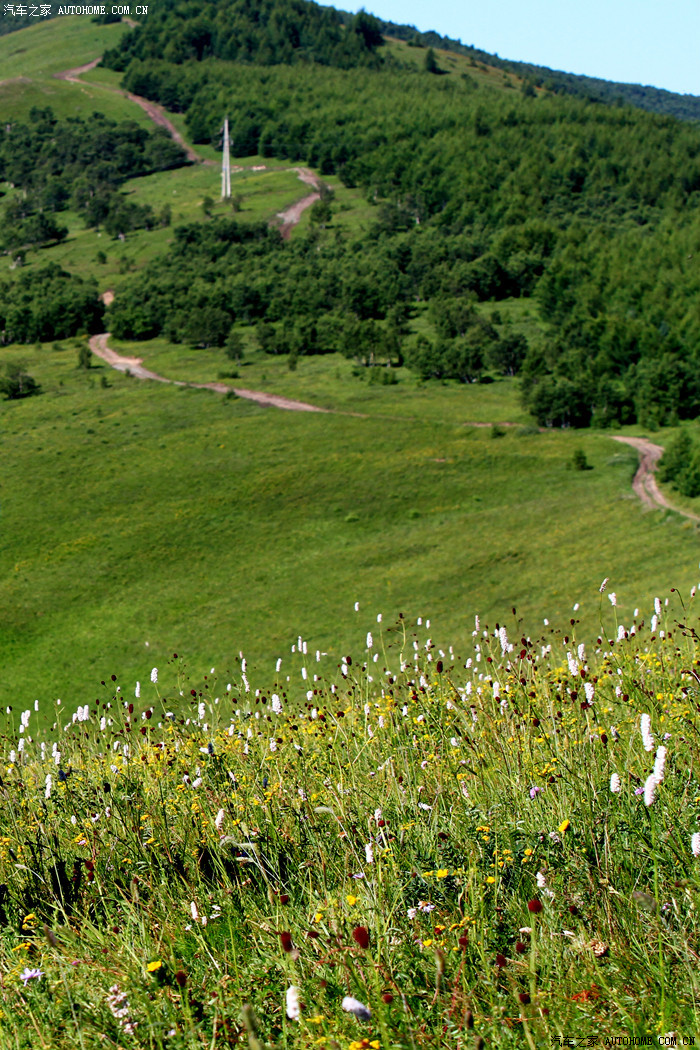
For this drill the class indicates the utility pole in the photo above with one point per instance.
(226, 165)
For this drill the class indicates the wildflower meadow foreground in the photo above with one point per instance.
(410, 847)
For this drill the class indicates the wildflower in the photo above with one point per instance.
(650, 790)
(286, 941)
(412, 912)
(155, 965)
(604, 584)
(613, 598)
(154, 675)
(276, 704)
(695, 844)
(589, 691)
(615, 785)
(194, 911)
(535, 791)
(645, 730)
(30, 975)
(219, 819)
(361, 936)
(660, 764)
(369, 853)
(353, 1006)
(503, 639)
(534, 906)
(47, 792)
(563, 826)
(293, 1009)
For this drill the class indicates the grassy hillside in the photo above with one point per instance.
(30, 58)
(140, 519)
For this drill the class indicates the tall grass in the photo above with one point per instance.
(412, 848)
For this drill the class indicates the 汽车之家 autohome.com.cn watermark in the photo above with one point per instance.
(669, 1039)
(47, 10)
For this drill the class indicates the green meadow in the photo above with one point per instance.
(140, 519)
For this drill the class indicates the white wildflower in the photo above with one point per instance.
(645, 730)
(354, 1006)
(650, 790)
(293, 1008)
(369, 853)
(615, 784)
(695, 844)
(154, 674)
(660, 764)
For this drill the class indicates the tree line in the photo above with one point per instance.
(77, 164)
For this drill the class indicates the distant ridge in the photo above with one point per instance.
(652, 99)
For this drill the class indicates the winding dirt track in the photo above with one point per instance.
(134, 366)
(644, 482)
(290, 217)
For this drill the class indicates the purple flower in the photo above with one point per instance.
(534, 791)
(30, 975)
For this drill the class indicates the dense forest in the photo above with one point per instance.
(480, 193)
(265, 32)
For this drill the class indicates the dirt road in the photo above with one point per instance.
(151, 109)
(73, 74)
(290, 216)
(644, 482)
(134, 366)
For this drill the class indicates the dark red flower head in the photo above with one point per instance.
(534, 906)
(286, 939)
(360, 935)
(501, 960)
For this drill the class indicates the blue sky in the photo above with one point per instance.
(634, 41)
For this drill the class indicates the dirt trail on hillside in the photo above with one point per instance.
(644, 482)
(290, 216)
(157, 115)
(134, 366)
(151, 109)
(73, 74)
